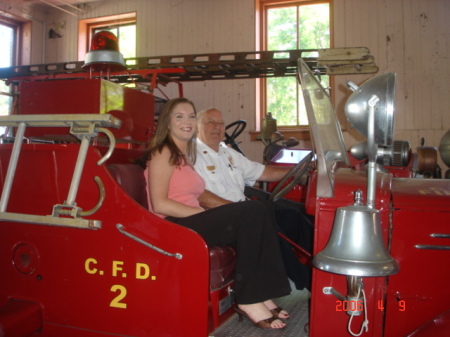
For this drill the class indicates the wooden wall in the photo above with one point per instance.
(408, 37)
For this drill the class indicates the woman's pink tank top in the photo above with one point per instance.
(185, 186)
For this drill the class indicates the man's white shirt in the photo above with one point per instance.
(227, 171)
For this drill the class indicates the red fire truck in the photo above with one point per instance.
(80, 254)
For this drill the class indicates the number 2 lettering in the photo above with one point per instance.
(116, 302)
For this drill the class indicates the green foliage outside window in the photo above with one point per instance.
(295, 27)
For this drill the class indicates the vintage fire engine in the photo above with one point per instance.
(80, 255)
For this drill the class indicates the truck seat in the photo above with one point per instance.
(131, 178)
(222, 259)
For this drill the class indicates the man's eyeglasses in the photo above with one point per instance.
(215, 123)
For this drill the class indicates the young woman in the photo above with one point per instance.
(174, 188)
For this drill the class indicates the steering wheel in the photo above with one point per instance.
(239, 126)
(296, 173)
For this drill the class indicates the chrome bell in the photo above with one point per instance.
(356, 245)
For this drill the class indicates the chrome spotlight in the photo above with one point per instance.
(357, 108)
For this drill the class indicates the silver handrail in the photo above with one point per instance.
(83, 126)
(12, 167)
(112, 145)
(101, 199)
(79, 166)
(122, 230)
(436, 247)
(440, 235)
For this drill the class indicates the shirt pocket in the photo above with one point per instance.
(215, 181)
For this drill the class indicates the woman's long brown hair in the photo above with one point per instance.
(163, 138)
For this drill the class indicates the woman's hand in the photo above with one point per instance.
(210, 200)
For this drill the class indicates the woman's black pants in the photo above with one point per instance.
(249, 227)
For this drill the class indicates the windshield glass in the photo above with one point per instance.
(325, 130)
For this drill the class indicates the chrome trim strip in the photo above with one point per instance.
(440, 235)
(433, 247)
(121, 229)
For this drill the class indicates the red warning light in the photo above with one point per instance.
(105, 40)
(104, 54)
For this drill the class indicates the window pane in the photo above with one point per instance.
(127, 41)
(302, 116)
(314, 26)
(7, 38)
(5, 101)
(294, 27)
(6, 59)
(281, 91)
(282, 98)
(282, 28)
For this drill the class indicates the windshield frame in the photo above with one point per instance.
(326, 134)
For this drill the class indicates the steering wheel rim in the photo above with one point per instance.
(239, 126)
(296, 173)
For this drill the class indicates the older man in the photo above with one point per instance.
(226, 173)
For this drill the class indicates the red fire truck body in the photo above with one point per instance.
(88, 278)
(417, 293)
